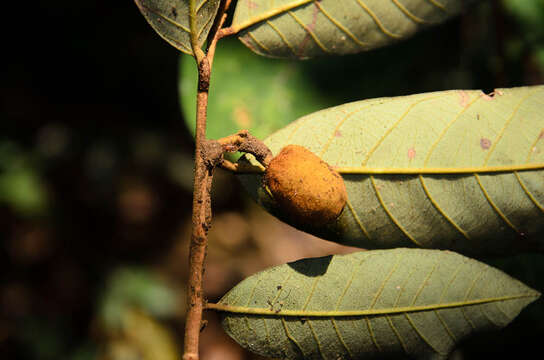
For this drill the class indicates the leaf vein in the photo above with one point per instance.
(384, 282)
(314, 285)
(506, 124)
(528, 192)
(446, 327)
(269, 14)
(290, 337)
(377, 21)
(388, 212)
(494, 206)
(423, 337)
(310, 32)
(339, 335)
(166, 18)
(408, 13)
(314, 334)
(440, 210)
(338, 126)
(397, 334)
(260, 44)
(396, 123)
(424, 283)
(348, 285)
(339, 25)
(282, 37)
(357, 220)
(446, 128)
(372, 335)
(533, 146)
(467, 294)
(267, 332)
(438, 5)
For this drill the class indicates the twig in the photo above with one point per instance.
(228, 31)
(206, 158)
(245, 142)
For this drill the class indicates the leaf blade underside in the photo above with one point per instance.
(308, 28)
(407, 302)
(171, 20)
(457, 170)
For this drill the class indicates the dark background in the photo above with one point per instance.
(95, 174)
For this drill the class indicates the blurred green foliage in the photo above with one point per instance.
(21, 187)
(135, 288)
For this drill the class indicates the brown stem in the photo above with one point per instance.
(200, 220)
(207, 156)
(245, 142)
(224, 32)
(216, 30)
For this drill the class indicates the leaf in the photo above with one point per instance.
(251, 92)
(171, 20)
(307, 28)
(457, 170)
(370, 304)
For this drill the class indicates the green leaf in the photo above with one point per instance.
(370, 304)
(171, 19)
(249, 92)
(457, 170)
(307, 28)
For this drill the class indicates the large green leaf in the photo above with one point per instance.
(370, 304)
(308, 28)
(171, 19)
(458, 170)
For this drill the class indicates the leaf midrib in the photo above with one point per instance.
(366, 312)
(363, 170)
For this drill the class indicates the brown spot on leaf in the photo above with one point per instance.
(411, 153)
(337, 133)
(311, 27)
(463, 98)
(252, 5)
(485, 143)
(174, 12)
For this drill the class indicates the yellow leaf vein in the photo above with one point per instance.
(388, 212)
(377, 21)
(422, 336)
(340, 338)
(290, 337)
(438, 5)
(528, 192)
(339, 25)
(357, 220)
(493, 205)
(396, 123)
(507, 123)
(406, 12)
(314, 334)
(310, 32)
(282, 37)
(397, 334)
(440, 210)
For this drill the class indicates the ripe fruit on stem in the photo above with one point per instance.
(305, 187)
